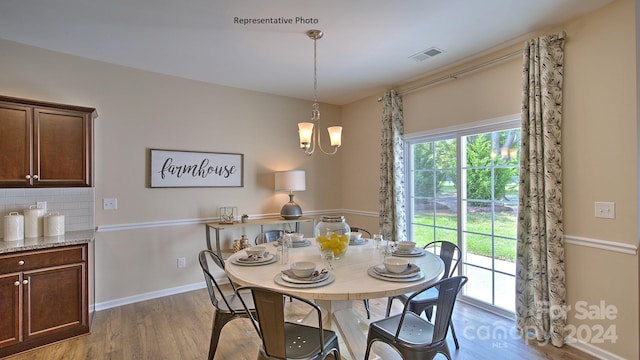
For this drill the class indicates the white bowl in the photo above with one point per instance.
(303, 268)
(297, 237)
(355, 236)
(256, 250)
(406, 245)
(396, 265)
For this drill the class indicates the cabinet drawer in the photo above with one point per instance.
(29, 260)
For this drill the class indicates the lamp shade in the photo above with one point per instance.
(293, 180)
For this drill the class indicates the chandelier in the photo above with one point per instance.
(306, 130)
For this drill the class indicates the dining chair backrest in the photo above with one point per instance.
(271, 314)
(448, 289)
(450, 254)
(208, 259)
(277, 334)
(268, 236)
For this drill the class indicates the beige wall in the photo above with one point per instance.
(599, 154)
(137, 250)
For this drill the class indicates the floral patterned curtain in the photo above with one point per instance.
(392, 187)
(540, 273)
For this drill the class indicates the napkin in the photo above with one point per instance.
(315, 276)
(411, 269)
(254, 257)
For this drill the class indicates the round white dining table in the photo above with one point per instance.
(352, 282)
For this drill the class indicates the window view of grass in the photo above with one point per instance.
(478, 242)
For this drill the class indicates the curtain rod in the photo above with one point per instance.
(456, 74)
(561, 35)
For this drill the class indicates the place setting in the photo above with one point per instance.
(396, 269)
(303, 274)
(407, 249)
(297, 240)
(355, 238)
(256, 255)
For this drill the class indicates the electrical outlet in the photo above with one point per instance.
(606, 210)
(182, 263)
(110, 204)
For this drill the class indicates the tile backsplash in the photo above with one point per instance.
(76, 204)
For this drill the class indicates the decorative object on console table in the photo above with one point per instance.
(293, 180)
(245, 218)
(228, 214)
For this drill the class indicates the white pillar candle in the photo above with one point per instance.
(13, 227)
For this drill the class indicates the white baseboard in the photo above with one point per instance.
(148, 296)
(593, 351)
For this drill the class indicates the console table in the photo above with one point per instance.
(217, 227)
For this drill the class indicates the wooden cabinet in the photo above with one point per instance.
(43, 297)
(45, 144)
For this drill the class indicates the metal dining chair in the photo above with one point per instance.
(450, 254)
(282, 339)
(367, 308)
(414, 337)
(227, 306)
(268, 236)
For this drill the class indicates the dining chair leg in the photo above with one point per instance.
(218, 323)
(389, 302)
(366, 307)
(455, 338)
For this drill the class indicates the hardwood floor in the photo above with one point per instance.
(179, 326)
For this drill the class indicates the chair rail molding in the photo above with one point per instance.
(196, 221)
(601, 244)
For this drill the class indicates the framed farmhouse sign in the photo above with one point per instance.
(175, 168)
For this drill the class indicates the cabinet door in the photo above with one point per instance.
(55, 301)
(62, 147)
(10, 309)
(15, 144)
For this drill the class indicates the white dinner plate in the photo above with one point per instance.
(295, 244)
(361, 241)
(280, 281)
(418, 276)
(411, 270)
(267, 259)
(413, 252)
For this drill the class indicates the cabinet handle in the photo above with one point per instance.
(17, 283)
(21, 262)
(25, 282)
(35, 176)
(28, 177)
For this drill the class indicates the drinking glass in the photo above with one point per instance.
(283, 249)
(328, 259)
(377, 241)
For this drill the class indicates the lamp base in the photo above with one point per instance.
(291, 210)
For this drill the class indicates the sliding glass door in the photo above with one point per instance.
(462, 187)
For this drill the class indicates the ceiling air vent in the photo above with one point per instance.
(426, 54)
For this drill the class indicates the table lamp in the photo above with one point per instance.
(292, 180)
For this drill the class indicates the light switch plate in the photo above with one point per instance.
(606, 210)
(110, 204)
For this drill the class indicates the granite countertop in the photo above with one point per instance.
(69, 238)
